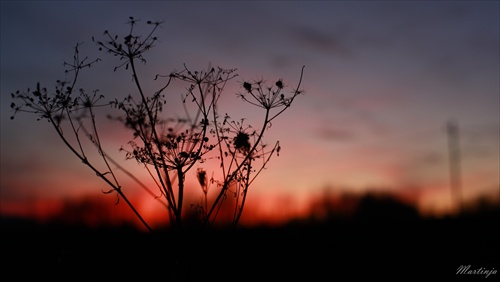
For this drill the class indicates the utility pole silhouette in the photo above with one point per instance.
(454, 163)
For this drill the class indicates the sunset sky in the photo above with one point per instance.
(381, 81)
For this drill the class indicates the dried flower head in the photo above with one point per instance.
(201, 174)
(279, 84)
(242, 142)
(247, 86)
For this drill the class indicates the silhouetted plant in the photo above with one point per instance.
(166, 147)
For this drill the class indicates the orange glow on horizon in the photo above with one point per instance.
(260, 209)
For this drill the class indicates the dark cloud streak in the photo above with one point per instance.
(320, 41)
(336, 134)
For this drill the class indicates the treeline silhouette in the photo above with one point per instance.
(362, 207)
(327, 209)
(371, 235)
(102, 212)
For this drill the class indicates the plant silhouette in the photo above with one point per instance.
(166, 144)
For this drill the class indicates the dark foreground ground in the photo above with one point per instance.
(338, 250)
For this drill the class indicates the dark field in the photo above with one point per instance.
(355, 249)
